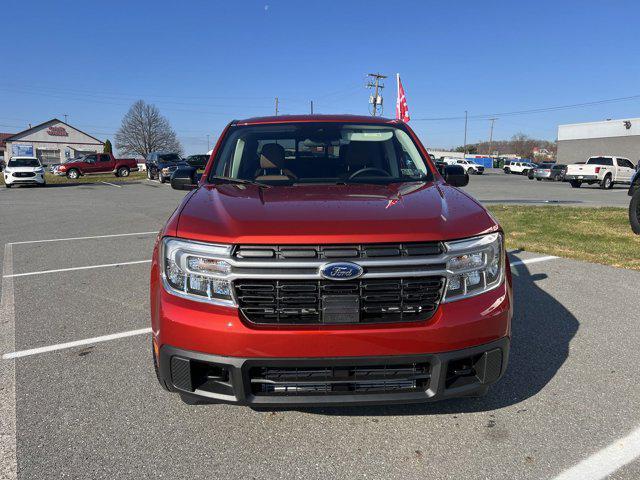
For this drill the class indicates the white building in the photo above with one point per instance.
(52, 142)
(579, 141)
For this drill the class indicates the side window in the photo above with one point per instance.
(623, 162)
(105, 158)
(91, 158)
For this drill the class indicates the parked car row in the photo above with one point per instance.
(161, 165)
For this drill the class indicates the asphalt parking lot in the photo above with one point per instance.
(494, 186)
(95, 410)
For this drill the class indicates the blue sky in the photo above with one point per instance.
(204, 63)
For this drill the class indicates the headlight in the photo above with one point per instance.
(475, 265)
(39, 170)
(197, 271)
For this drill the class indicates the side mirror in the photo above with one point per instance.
(184, 178)
(455, 176)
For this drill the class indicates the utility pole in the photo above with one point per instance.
(491, 136)
(465, 133)
(276, 106)
(376, 99)
(311, 105)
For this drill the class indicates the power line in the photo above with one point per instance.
(488, 116)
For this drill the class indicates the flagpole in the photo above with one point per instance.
(397, 96)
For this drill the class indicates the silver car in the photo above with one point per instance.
(543, 171)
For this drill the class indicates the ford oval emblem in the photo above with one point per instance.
(341, 271)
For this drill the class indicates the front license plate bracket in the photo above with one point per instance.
(340, 309)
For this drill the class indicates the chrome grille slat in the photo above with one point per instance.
(282, 253)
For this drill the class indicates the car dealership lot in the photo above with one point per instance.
(496, 187)
(96, 411)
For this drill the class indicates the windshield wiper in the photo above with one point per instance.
(238, 181)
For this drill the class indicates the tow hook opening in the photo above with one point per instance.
(483, 368)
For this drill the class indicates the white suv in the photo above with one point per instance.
(23, 171)
(522, 168)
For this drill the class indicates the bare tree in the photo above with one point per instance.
(145, 130)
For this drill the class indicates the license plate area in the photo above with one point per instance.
(340, 309)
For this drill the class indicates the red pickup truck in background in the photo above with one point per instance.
(96, 163)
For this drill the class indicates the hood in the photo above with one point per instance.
(401, 212)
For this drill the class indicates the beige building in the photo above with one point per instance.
(579, 141)
(52, 142)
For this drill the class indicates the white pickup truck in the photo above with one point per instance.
(603, 170)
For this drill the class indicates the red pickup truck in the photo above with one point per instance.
(325, 260)
(96, 163)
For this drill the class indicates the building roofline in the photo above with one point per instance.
(600, 121)
(10, 139)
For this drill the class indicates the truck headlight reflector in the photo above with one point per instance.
(475, 265)
(195, 270)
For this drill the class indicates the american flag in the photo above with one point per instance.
(402, 110)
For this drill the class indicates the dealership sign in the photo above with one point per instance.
(57, 131)
(21, 150)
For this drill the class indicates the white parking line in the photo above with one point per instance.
(603, 463)
(84, 238)
(8, 459)
(533, 260)
(71, 269)
(112, 184)
(77, 343)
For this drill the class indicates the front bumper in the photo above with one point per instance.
(239, 380)
(38, 179)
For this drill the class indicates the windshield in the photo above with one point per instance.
(169, 157)
(24, 162)
(321, 153)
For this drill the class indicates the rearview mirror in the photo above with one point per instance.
(455, 176)
(184, 178)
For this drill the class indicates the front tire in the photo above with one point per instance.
(539, 179)
(576, 183)
(8, 185)
(73, 174)
(634, 212)
(507, 171)
(122, 172)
